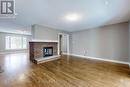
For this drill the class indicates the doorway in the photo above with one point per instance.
(63, 43)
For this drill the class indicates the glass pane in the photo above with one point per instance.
(16, 42)
(7, 41)
(13, 42)
(24, 43)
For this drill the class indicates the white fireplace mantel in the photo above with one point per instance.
(44, 41)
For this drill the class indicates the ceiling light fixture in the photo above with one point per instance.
(106, 2)
(72, 17)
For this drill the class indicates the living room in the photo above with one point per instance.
(65, 43)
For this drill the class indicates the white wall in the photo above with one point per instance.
(18, 30)
(2, 41)
(109, 42)
(45, 33)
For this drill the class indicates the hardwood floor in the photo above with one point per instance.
(65, 72)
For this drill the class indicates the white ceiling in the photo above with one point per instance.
(52, 13)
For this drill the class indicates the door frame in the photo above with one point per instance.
(68, 48)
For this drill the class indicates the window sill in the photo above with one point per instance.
(15, 49)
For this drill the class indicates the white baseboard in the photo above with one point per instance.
(101, 59)
(66, 53)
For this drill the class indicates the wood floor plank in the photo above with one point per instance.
(68, 71)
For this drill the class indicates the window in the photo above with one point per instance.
(13, 42)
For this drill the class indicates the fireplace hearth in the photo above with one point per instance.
(43, 51)
(47, 51)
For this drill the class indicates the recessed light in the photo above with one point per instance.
(72, 17)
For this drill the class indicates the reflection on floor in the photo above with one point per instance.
(65, 72)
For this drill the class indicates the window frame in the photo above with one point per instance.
(15, 48)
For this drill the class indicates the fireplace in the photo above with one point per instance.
(41, 51)
(47, 51)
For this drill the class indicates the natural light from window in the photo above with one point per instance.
(14, 42)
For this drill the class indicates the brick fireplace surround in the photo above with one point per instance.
(36, 49)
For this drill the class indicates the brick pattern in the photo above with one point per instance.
(36, 49)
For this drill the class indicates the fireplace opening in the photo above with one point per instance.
(47, 51)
